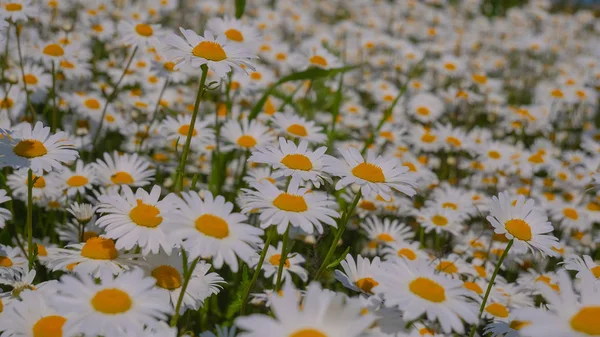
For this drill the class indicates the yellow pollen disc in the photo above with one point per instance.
(411, 167)
(145, 215)
(480, 271)
(66, 64)
(474, 287)
(426, 331)
(571, 213)
(450, 205)
(281, 56)
(234, 35)
(439, 220)
(92, 103)
(297, 130)
(170, 66)
(246, 141)
(423, 111)
(290, 203)
(367, 284)
(308, 333)
(385, 237)
(447, 267)
(167, 277)
(6, 103)
(518, 325)
(77, 181)
(111, 301)
(144, 29)
(31, 79)
(5, 261)
(297, 162)
(49, 326)
(122, 178)
(369, 172)
(270, 108)
(318, 60)
(494, 154)
(497, 309)
(481, 79)
(407, 253)
(97, 28)
(1, 306)
(276, 260)
(210, 50)
(13, 7)
(54, 50)
(30, 148)
(428, 290)
(89, 235)
(453, 141)
(256, 76)
(586, 321)
(184, 129)
(450, 66)
(595, 270)
(537, 158)
(519, 229)
(557, 93)
(41, 250)
(212, 225)
(428, 138)
(99, 249)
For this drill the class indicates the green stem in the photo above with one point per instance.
(338, 235)
(110, 98)
(54, 109)
(23, 75)
(257, 270)
(283, 258)
(188, 140)
(188, 275)
(30, 218)
(489, 288)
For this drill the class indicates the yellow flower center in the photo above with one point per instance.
(210, 50)
(290, 202)
(450, 205)
(439, 220)
(184, 129)
(428, 138)
(54, 50)
(30, 148)
(276, 260)
(49, 326)
(571, 213)
(66, 64)
(5, 261)
(212, 225)
(92, 103)
(428, 289)
(474, 287)
(41, 250)
(518, 325)
(450, 66)
(144, 29)
(145, 215)
(99, 249)
(308, 333)
(385, 237)
(595, 270)
(586, 321)
(494, 154)
(497, 309)
(234, 35)
(297, 162)
(246, 141)
(30, 79)
(167, 277)
(40, 182)
(318, 60)
(407, 253)
(97, 28)
(297, 130)
(369, 172)
(111, 301)
(122, 178)
(281, 56)
(411, 167)
(13, 7)
(447, 267)
(256, 76)
(6, 103)
(367, 284)
(480, 271)
(453, 141)
(519, 229)
(89, 235)
(77, 181)
(423, 111)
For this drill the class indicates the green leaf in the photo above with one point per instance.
(308, 74)
(339, 259)
(235, 306)
(240, 5)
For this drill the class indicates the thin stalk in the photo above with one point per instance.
(22, 74)
(338, 235)
(188, 140)
(155, 113)
(489, 288)
(110, 98)
(30, 218)
(54, 121)
(257, 270)
(283, 257)
(188, 275)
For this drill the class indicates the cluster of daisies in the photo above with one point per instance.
(298, 169)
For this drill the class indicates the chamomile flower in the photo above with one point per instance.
(386, 230)
(425, 107)
(376, 175)
(32, 316)
(235, 31)
(208, 228)
(178, 128)
(5, 214)
(245, 136)
(17, 10)
(139, 34)
(295, 206)
(78, 181)
(126, 169)
(358, 276)
(217, 53)
(291, 265)
(583, 265)
(11, 260)
(294, 126)
(518, 219)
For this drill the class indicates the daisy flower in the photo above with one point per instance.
(246, 136)
(234, 30)
(139, 34)
(16, 10)
(582, 265)
(403, 250)
(376, 175)
(78, 181)
(386, 230)
(417, 289)
(292, 264)
(37, 149)
(209, 228)
(70, 232)
(440, 220)
(358, 276)
(217, 53)
(126, 169)
(293, 126)
(113, 307)
(425, 107)
(138, 220)
(518, 219)
(295, 206)
(293, 160)
(32, 316)
(179, 127)
(11, 260)
(5, 214)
